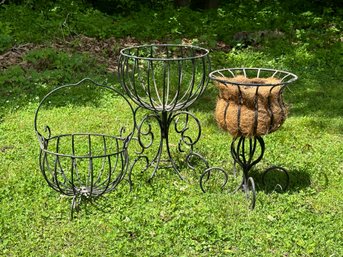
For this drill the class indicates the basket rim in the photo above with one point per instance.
(124, 50)
(217, 74)
(44, 145)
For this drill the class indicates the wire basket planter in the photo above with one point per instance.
(82, 165)
(250, 105)
(164, 80)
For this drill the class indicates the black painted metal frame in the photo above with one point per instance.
(248, 151)
(65, 172)
(165, 80)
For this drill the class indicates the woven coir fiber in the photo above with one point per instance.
(253, 110)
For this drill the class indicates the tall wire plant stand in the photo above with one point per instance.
(250, 105)
(165, 80)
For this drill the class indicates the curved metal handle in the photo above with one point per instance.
(42, 139)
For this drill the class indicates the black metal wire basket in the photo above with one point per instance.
(250, 105)
(250, 101)
(164, 80)
(83, 165)
(164, 77)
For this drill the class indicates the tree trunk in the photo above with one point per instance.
(182, 3)
(204, 4)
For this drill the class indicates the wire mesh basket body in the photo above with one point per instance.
(250, 102)
(82, 164)
(164, 77)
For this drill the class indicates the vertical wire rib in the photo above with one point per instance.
(53, 171)
(274, 74)
(182, 53)
(112, 182)
(258, 139)
(108, 178)
(140, 98)
(221, 74)
(175, 100)
(243, 152)
(122, 153)
(251, 152)
(188, 93)
(254, 146)
(168, 84)
(136, 68)
(109, 183)
(42, 165)
(141, 80)
(90, 177)
(258, 73)
(256, 110)
(103, 162)
(150, 69)
(238, 152)
(73, 164)
(115, 166)
(126, 75)
(134, 84)
(202, 84)
(105, 184)
(59, 163)
(225, 113)
(56, 166)
(45, 166)
(269, 108)
(164, 88)
(153, 78)
(253, 143)
(232, 74)
(244, 72)
(55, 174)
(286, 76)
(239, 109)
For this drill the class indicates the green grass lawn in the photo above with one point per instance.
(170, 217)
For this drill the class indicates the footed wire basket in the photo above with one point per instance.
(83, 165)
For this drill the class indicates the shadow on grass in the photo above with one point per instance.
(105, 204)
(276, 181)
(299, 180)
(317, 100)
(44, 70)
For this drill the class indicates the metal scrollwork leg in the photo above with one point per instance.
(277, 186)
(165, 80)
(220, 175)
(250, 191)
(146, 138)
(188, 141)
(184, 122)
(75, 205)
(245, 153)
(242, 109)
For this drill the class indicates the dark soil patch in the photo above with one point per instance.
(105, 51)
